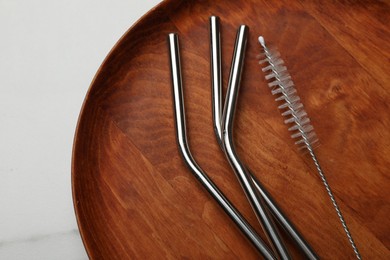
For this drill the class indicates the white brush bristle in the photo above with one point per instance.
(261, 40)
(292, 108)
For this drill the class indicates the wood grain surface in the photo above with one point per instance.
(133, 195)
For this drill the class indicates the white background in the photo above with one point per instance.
(50, 51)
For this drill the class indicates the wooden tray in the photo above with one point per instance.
(133, 195)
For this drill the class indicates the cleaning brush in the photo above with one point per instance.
(292, 109)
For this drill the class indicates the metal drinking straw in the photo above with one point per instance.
(257, 202)
(181, 135)
(216, 83)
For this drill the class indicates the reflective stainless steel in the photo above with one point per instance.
(256, 200)
(216, 76)
(181, 134)
(216, 82)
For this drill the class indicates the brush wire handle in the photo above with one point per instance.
(301, 129)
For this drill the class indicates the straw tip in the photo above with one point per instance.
(172, 36)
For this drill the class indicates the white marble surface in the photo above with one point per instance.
(49, 53)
